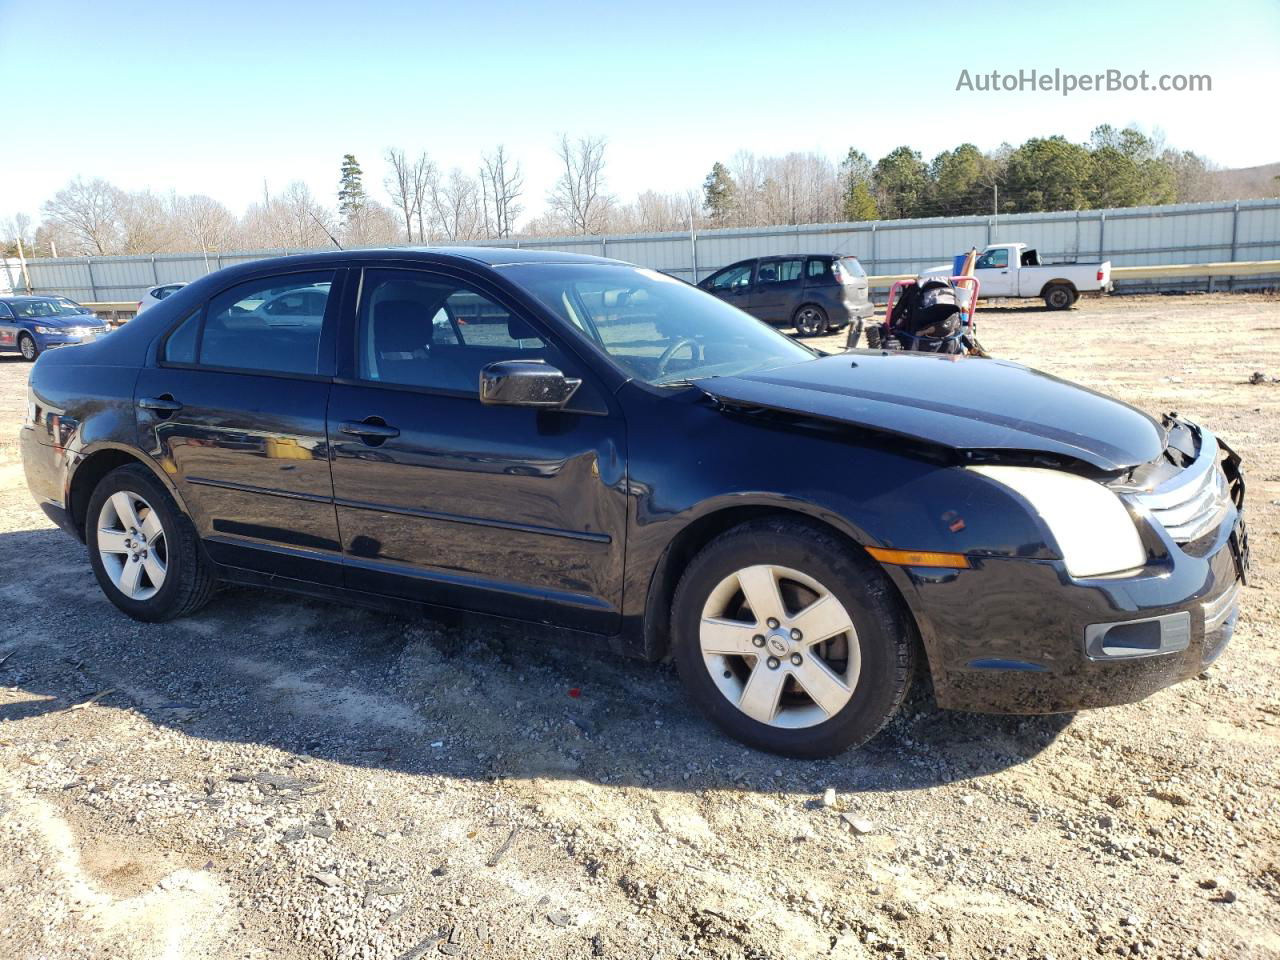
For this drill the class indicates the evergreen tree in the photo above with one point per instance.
(857, 202)
(718, 192)
(902, 184)
(351, 195)
(1047, 173)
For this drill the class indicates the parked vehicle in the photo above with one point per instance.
(31, 325)
(156, 294)
(603, 450)
(78, 307)
(1015, 270)
(814, 293)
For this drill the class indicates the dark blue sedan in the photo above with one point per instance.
(579, 448)
(31, 325)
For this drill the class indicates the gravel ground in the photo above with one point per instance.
(284, 778)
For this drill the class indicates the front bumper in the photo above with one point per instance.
(48, 341)
(1014, 635)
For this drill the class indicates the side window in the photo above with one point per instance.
(996, 259)
(781, 271)
(272, 324)
(180, 347)
(739, 276)
(818, 270)
(5, 312)
(425, 330)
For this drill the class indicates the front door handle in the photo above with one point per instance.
(370, 429)
(161, 404)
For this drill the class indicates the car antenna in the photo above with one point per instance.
(320, 224)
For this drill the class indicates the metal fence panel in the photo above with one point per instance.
(1137, 236)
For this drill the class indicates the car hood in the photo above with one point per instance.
(964, 403)
(74, 320)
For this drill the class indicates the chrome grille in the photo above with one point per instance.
(1192, 503)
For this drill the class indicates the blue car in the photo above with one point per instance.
(31, 325)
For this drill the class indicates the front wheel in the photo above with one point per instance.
(810, 320)
(1059, 297)
(790, 640)
(27, 347)
(143, 549)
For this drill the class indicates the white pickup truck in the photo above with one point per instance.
(1013, 270)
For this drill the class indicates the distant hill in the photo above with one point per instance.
(1246, 182)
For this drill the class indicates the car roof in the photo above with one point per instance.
(28, 298)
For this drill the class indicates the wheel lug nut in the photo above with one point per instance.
(758, 640)
(773, 623)
(773, 663)
(797, 635)
(796, 659)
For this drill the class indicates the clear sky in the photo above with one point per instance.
(211, 97)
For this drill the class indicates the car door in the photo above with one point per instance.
(234, 411)
(779, 283)
(8, 329)
(495, 509)
(995, 276)
(733, 284)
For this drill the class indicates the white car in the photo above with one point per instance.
(156, 294)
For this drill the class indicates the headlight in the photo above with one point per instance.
(1092, 527)
(48, 331)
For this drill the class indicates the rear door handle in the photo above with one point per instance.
(164, 404)
(371, 428)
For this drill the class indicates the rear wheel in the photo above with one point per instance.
(1059, 296)
(27, 347)
(143, 549)
(810, 320)
(791, 641)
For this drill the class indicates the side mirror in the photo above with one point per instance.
(526, 383)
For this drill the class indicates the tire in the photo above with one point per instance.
(810, 320)
(143, 549)
(872, 661)
(1059, 296)
(27, 347)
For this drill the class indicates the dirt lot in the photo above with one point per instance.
(279, 778)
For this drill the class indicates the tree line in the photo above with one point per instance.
(427, 204)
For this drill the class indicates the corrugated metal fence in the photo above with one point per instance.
(1135, 236)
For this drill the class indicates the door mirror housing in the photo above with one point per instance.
(526, 383)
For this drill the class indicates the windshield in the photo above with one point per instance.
(43, 308)
(659, 329)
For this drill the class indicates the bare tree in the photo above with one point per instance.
(456, 208)
(578, 197)
(302, 220)
(87, 212)
(502, 183)
(424, 176)
(203, 223)
(400, 185)
(146, 225)
(373, 225)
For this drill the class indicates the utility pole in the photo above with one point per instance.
(995, 203)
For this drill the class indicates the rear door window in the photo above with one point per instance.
(272, 324)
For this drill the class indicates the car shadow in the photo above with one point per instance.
(368, 689)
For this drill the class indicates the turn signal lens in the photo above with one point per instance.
(919, 558)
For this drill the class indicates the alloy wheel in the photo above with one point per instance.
(132, 545)
(28, 347)
(809, 321)
(779, 646)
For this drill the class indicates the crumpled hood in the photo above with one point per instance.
(965, 403)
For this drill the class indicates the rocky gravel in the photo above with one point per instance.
(292, 779)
